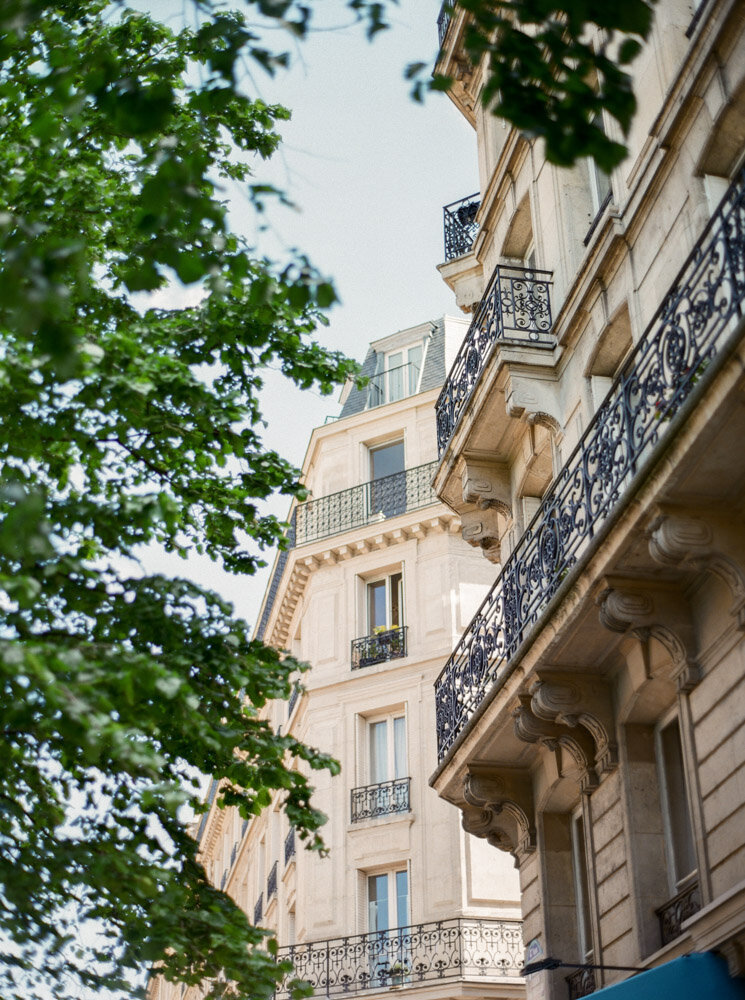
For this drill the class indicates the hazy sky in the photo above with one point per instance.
(369, 170)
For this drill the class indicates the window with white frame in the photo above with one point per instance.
(383, 788)
(599, 180)
(398, 375)
(388, 900)
(387, 496)
(384, 603)
(676, 816)
(386, 748)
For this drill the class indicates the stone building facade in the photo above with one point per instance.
(374, 590)
(591, 438)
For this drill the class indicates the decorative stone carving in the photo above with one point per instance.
(502, 811)
(576, 741)
(487, 484)
(656, 611)
(573, 701)
(482, 528)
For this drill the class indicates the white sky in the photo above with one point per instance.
(369, 170)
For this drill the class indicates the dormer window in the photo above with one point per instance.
(398, 375)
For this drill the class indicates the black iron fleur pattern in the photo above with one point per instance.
(516, 306)
(685, 335)
(446, 949)
(271, 883)
(581, 983)
(364, 504)
(290, 845)
(460, 226)
(443, 20)
(378, 648)
(678, 909)
(383, 799)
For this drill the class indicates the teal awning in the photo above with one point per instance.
(691, 977)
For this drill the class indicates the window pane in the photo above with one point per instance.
(378, 752)
(402, 898)
(395, 589)
(399, 747)
(377, 889)
(581, 889)
(681, 836)
(376, 599)
(415, 366)
(388, 460)
(395, 377)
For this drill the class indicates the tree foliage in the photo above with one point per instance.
(551, 73)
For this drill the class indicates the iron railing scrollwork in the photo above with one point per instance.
(581, 983)
(460, 226)
(382, 799)
(293, 700)
(436, 951)
(675, 911)
(443, 20)
(516, 306)
(271, 883)
(290, 845)
(360, 505)
(687, 332)
(259, 909)
(379, 647)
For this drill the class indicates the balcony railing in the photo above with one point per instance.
(448, 949)
(460, 226)
(516, 306)
(295, 694)
(581, 983)
(443, 20)
(687, 332)
(365, 504)
(678, 909)
(271, 883)
(290, 846)
(377, 648)
(393, 384)
(383, 799)
(259, 909)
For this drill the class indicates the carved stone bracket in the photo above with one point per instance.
(500, 808)
(482, 528)
(578, 700)
(693, 541)
(487, 484)
(555, 736)
(654, 610)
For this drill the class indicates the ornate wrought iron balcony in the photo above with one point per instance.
(364, 504)
(460, 226)
(259, 909)
(516, 306)
(678, 909)
(383, 799)
(443, 20)
(581, 983)
(290, 845)
(370, 649)
(293, 700)
(408, 956)
(688, 331)
(271, 883)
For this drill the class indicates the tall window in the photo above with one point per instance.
(681, 852)
(387, 749)
(399, 373)
(388, 900)
(600, 182)
(388, 486)
(385, 603)
(581, 889)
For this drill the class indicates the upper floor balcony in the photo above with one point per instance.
(462, 949)
(375, 500)
(443, 20)
(460, 226)
(677, 352)
(516, 307)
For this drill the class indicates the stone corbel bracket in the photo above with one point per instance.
(500, 808)
(685, 540)
(578, 700)
(653, 610)
(557, 737)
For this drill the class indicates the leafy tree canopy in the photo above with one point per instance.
(123, 425)
(550, 72)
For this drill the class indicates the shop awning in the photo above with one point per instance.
(691, 977)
